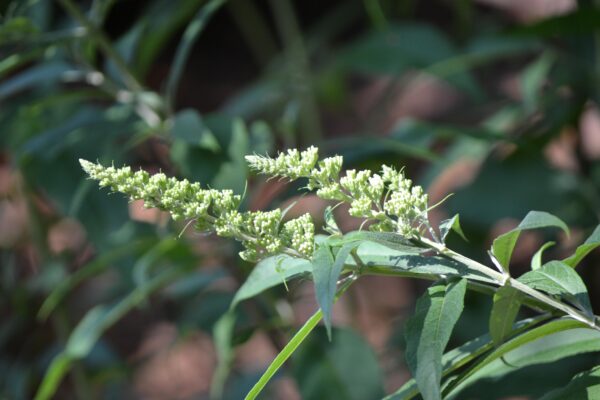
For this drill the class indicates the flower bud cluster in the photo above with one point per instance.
(300, 234)
(213, 210)
(292, 164)
(181, 198)
(389, 198)
(406, 202)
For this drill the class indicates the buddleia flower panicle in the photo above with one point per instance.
(260, 232)
(389, 199)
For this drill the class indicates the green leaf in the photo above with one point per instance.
(504, 244)
(428, 332)
(533, 79)
(391, 240)
(409, 46)
(504, 312)
(326, 272)
(186, 43)
(380, 259)
(345, 369)
(93, 325)
(585, 385)
(583, 250)
(482, 368)
(270, 272)
(232, 174)
(452, 224)
(87, 271)
(330, 225)
(188, 126)
(558, 278)
(223, 336)
(460, 356)
(536, 260)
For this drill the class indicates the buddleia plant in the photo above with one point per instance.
(396, 238)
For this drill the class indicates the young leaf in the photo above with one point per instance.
(326, 272)
(583, 250)
(558, 278)
(504, 312)
(536, 260)
(452, 224)
(504, 244)
(428, 332)
(268, 273)
(330, 224)
(585, 385)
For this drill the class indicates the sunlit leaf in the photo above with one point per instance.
(558, 278)
(503, 245)
(504, 312)
(428, 332)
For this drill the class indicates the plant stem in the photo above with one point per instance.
(292, 345)
(98, 36)
(502, 279)
(298, 67)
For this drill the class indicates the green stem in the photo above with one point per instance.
(282, 357)
(292, 345)
(502, 279)
(104, 44)
(298, 67)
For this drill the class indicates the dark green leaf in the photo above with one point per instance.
(190, 35)
(504, 312)
(480, 369)
(583, 250)
(452, 224)
(558, 278)
(583, 386)
(460, 356)
(504, 244)
(428, 332)
(344, 369)
(188, 126)
(268, 273)
(93, 325)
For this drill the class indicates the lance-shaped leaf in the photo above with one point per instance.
(546, 343)
(585, 385)
(536, 260)
(326, 272)
(583, 250)
(390, 240)
(452, 224)
(428, 332)
(504, 312)
(271, 272)
(503, 245)
(558, 278)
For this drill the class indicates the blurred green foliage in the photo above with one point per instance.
(115, 82)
